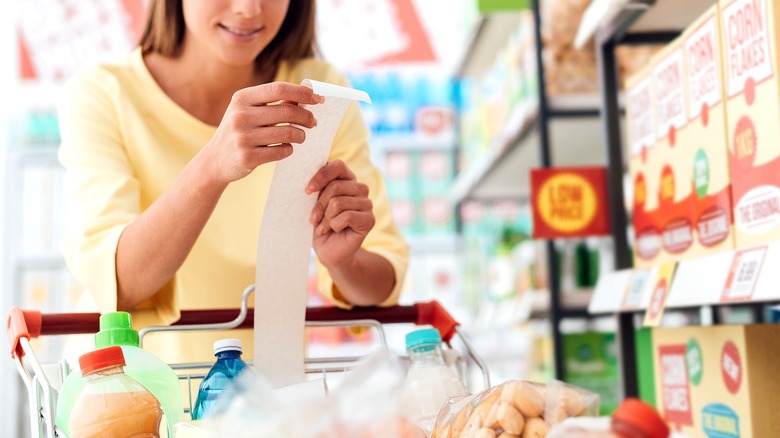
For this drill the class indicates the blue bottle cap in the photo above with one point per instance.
(422, 337)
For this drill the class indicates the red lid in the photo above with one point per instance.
(642, 417)
(99, 359)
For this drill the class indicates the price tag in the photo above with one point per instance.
(632, 298)
(663, 283)
(743, 274)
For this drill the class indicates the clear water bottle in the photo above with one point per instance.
(228, 366)
(429, 382)
(112, 403)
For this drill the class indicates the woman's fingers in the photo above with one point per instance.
(270, 115)
(359, 221)
(345, 211)
(267, 154)
(332, 171)
(277, 91)
(272, 135)
(250, 117)
(339, 187)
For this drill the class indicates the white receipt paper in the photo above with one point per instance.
(285, 242)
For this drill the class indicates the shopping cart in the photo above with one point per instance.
(24, 325)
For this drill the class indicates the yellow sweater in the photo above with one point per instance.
(124, 141)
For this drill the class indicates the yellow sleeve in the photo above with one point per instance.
(101, 193)
(351, 146)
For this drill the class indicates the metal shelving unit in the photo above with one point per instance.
(642, 22)
(539, 133)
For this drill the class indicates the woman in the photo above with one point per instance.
(168, 166)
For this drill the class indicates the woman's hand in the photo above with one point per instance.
(342, 216)
(259, 127)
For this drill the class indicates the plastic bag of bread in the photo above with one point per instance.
(515, 408)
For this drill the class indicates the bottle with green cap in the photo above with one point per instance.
(155, 375)
(429, 381)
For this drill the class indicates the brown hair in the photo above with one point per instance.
(164, 32)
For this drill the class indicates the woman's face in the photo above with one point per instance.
(232, 31)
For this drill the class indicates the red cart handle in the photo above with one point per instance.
(22, 324)
(434, 314)
(31, 324)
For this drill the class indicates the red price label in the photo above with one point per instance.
(743, 274)
(658, 300)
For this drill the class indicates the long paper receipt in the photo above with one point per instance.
(284, 247)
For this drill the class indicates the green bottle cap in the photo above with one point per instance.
(116, 329)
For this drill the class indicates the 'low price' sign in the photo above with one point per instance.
(569, 202)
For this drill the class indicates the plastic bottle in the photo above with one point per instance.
(154, 374)
(429, 382)
(112, 403)
(633, 418)
(228, 366)
(636, 419)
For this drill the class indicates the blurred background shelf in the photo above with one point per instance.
(502, 172)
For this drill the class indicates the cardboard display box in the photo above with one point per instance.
(679, 149)
(663, 190)
(673, 140)
(719, 381)
(640, 114)
(703, 156)
(751, 51)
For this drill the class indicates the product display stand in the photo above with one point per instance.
(540, 132)
(644, 23)
(607, 40)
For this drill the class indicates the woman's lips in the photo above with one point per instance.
(244, 33)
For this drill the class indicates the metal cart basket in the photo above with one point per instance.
(24, 325)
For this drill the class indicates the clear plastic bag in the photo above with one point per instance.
(514, 408)
(365, 404)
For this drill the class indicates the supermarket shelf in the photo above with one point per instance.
(38, 155)
(617, 19)
(502, 171)
(487, 177)
(599, 14)
(414, 142)
(670, 15)
(43, 262)
(690, 288)
(488, 37)
(573, 304)
(419, 245)
(610, 293)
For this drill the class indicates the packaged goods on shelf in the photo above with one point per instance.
(489, 101)
(720, 380)
(750, 45)
(704, 149)
(567, 70)
(591, 363)
(678, 160)
(570, 70)
(643, 166)
(675, 202)
(632, 59)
